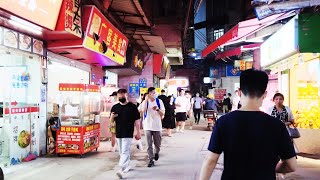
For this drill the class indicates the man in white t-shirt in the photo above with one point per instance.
(183, 105)
(197, 107)
(153, 110)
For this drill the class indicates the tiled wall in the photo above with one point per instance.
(147, 73)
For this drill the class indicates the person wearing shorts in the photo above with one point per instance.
(182, 104)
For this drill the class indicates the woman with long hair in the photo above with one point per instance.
(169, 118)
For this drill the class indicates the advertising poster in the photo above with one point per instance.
(37, 47)
(10, 38)
(102, 37)
(143, 90)
(134, 90)
(232, 71)
(214, 72)
(142, 83)
(69, 139)
(218, 93)
(25, 42)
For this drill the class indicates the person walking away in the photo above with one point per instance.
(282, 113)
(226, 103)
(197, 101)
(189, 108)
(126, 116)
(112, 125)
(252, 141)
(211, 104)
(236, 101)
(163, 96)
(154, 110)
(182, 107)
(169, 117)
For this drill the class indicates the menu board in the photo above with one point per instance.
(25, 42)
(69, 139)
(78, 139)
(10, 38)
(37, 47)
(21, 41)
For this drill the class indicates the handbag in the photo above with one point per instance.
(293, 132)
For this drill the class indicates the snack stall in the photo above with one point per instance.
(79, 108)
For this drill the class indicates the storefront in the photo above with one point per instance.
(22, 97)
(293, 54)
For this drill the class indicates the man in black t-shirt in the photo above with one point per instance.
(256, 146)
(126, 116)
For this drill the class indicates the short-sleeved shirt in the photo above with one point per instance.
(184, 103)
(127, 115)
(152, 121)
(252, 142)
(197, 102)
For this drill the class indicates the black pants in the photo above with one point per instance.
(196, 113)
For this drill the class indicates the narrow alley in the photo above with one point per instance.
(181, 157)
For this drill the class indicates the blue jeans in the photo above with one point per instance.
(124, 145)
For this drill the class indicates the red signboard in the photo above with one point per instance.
(70, 17)
(218, 94)
(78, 139)
(44, 13)
(102, 37)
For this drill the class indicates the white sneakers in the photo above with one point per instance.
(190, 127)
(178, 129)
(120, 172)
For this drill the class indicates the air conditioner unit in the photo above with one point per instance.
(216, 83)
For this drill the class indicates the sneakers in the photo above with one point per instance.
(120, 174)
(190, 127)
(177, 129)
(156, 157)
(182, 130)
(127, 169)
(151, 163)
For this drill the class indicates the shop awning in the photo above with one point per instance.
(243, 29)
(130, 11)
(236, 51)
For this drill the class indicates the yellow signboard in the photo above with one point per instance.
(143, 90)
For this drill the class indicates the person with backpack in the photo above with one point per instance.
(154, 111)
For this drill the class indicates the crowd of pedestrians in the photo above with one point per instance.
(256, 145)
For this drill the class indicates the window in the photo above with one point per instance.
(217, 34)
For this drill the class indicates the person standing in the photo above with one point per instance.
(154, 110)
(169, 117)
(126, 116)
(112, 125)
(236, 101)
(182, 107)
(190, 107)
(226, 103)
(197, 107)
(163, 96)
(255, 144)
(280, 111)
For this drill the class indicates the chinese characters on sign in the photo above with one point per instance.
(143, 83)
(218, 94)
(134, 90)
(101, 36)
(73, 17)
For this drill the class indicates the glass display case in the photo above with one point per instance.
(79, 112)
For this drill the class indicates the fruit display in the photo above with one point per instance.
(308, 119)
